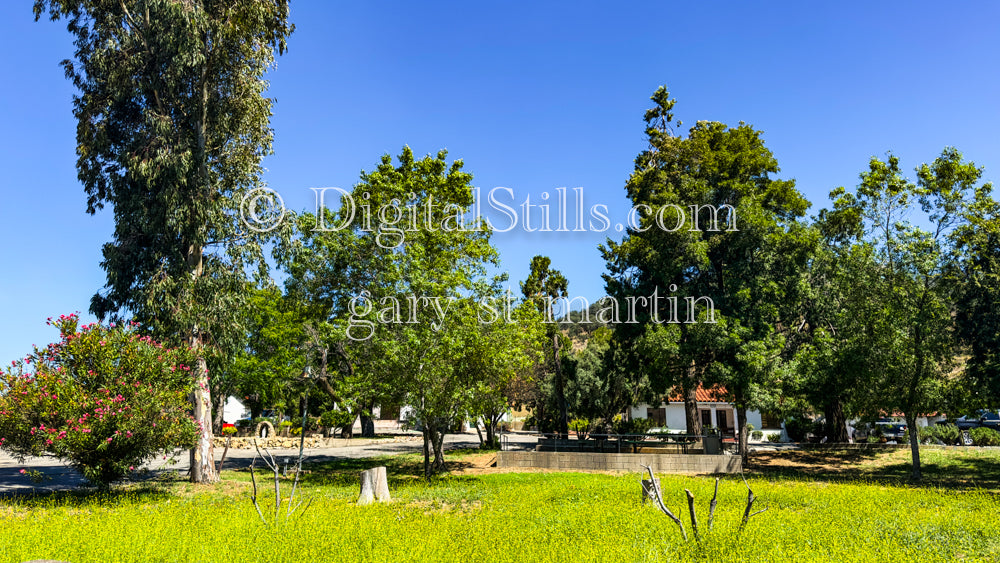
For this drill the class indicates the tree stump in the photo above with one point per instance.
(648, 493)
(374, 486)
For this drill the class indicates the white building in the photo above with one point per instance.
(712, 409)
(234, 410)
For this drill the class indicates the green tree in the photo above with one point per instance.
(977, 276)
(714, 229)
(172, 127)
(393, 294)
(543, 288)
(912, 333)
(499, 356)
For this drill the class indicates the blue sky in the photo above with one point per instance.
(532, 97)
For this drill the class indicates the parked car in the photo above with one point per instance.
(980, 419)
(984, 418)
(883, 427)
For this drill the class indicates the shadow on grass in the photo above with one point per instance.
(952, 468)
(86, 497)
(401, 469)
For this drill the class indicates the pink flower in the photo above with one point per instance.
(109, 440)
(23, 471)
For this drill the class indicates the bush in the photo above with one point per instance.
(985, 436)
(336, 419)
(229, 430)
(774, 438)
(947, 433)
(103, 398)
(757, 434)
(798, 427)
(632, 426)
(580, 426)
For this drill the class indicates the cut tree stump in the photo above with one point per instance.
(374, 486)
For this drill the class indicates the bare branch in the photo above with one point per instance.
(711, 506)
(659, 502)
(253, 497)
(694, 517)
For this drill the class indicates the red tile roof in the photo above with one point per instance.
(713, 394)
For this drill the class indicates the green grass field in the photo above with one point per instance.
(520, 517)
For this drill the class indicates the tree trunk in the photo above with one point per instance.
(427, 451)
(560, 393)
(911, 425)
(219, 405)
(482, 443)
(367, 422)
(741, 422)
(493, 420)
(347, 430)
(836, 422)
(202, 456)
(439, 451)
(688, 387)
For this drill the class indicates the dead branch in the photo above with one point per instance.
(694, 517)
(659, 502)
(747, 514)
(253, 497)
(711, 506)
(224, 452)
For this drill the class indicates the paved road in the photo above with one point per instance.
(59, 476)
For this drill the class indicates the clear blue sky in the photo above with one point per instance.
(532, 98)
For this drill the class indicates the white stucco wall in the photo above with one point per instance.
(676, 420)
(233, 410)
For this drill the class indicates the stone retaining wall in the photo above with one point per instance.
(661, 463)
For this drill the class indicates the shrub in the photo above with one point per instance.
(797, 427)
(632, 426)
(947, 433)
(336, 419)
(229, 430)
(102, 398)
(285, 423)
(774, 438)
(580, 426)
(757, 434)
(985, 436)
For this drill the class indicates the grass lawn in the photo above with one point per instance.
(832, 508)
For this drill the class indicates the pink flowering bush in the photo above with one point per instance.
(103, 398)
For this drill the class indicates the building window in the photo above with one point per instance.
(769, 420)
(658, 416)
(706, 418)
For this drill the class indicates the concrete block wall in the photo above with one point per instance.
(582, 461)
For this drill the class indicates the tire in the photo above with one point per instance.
(966, 438)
